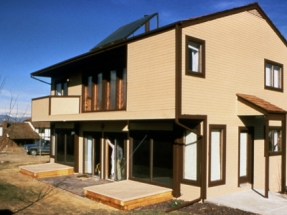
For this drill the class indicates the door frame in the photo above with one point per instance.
(250, 151)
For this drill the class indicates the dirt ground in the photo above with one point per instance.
(22, 195)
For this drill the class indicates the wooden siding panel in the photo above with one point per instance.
(151, 74)
(236, 47)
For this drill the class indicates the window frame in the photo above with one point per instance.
(274, 128)
(221, 181)
(184, 180)
(102, 88)
(64, 84)
(273, 63)
(201, 72)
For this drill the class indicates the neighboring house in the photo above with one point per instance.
(42, 128)
(198, 105)
(17, 133)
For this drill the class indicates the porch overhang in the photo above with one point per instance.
(249, 105)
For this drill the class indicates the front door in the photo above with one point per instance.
(245, 155)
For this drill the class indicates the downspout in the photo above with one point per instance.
(178, 97)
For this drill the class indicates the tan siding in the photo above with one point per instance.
(151, 74)
(75, 85)
(275, 173)
(236, 47)
(40, 108)
(64, 105)
(188, 192)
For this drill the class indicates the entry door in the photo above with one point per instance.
(245, 155)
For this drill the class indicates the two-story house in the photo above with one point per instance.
(198, 105)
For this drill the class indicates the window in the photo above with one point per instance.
(105, 91)
(275, 140)
(61, 88)
(273, 75)
(217, 154)
(195, 57)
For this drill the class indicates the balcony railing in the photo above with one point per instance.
(55, 105)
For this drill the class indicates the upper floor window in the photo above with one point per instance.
(61, 88)
(105, 91)
(273, 76)
(195, 57)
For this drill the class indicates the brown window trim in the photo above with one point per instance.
(221, 181)
(266, 61)
(189, 181)
(200, 74)
(275, 128)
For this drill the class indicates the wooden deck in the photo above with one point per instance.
(46, 170)
(126, 195)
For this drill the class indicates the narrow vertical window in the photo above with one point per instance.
(275, 140)
(90, 86)
(122, 90)
(65, 89)
(113, 89)
(58, 89)
(217, 155)
(190, 156)
(195, 57)
(273, 76)
(99, 91)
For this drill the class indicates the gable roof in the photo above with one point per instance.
(21, 131)
(122, 40)
(262, 104)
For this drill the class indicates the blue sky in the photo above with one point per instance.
(38, 33)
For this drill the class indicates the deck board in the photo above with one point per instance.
(126, 195)
(46, 170)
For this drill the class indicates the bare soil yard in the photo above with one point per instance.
(22, 195)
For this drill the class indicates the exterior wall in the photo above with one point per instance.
(151, 75)
(236, 47)
(63, 105)
(275, 173)
(150, 85)
(189, 192)
(75, 85)
(40, 109)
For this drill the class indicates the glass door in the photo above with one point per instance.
(88, 155)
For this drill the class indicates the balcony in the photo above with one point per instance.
(47, 106)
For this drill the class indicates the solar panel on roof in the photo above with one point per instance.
(124, 32)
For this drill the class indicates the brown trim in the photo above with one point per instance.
(178, 75)
(76, 153)
(198, 181)
(250, 151)
(266, 153)
(282, 143)
(76, 147)
(266, 61)
(50, 104)
(283, 165)
(223, 170)
(201, 73)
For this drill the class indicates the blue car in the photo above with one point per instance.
(42, 146)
